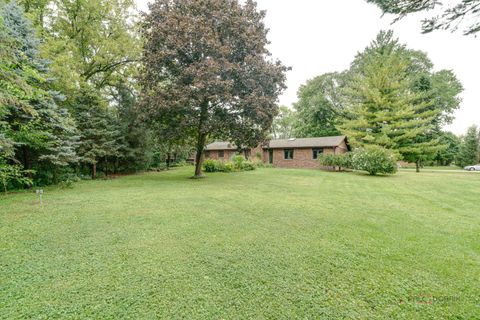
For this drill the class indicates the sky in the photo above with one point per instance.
(318, 36)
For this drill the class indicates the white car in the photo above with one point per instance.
(473, 168)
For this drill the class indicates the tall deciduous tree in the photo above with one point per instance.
(470, 148)
(89, 41)
(207, 70)
(321, 105)
(284, 123)
(449, 154)
(454, 15)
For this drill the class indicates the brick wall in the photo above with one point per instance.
(213, 154)
(302, 158)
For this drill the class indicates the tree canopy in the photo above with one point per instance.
(390, 96)
(320, 104)
(470, 148)
(207, 71)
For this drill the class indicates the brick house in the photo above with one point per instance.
(284, 153)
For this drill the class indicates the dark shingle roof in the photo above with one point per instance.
(307, 142)
(220, 145)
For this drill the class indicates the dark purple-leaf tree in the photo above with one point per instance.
(207, 72)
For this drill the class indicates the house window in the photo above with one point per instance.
(288, 154)
(317, 153)
(221, 153)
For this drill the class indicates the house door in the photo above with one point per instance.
(270, 156)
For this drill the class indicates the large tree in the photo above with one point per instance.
(392, 101)
(283, 126)
(100, 135)
(454, 15)
(320, 105)
(42, 133)
(469, 148)
(207, 71)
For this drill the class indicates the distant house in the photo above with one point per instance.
(284, 153)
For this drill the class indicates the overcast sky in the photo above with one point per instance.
(319, 36)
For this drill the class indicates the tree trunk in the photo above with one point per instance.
(199, 156)
(55, 175)
(94, 171)
(202, 138)
(417, 165)
(26, 163)
(168, 160)
(106, 167)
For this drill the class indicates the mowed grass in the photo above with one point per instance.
(268, 244)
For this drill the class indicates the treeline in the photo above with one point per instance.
(391, 97)
(68, 92)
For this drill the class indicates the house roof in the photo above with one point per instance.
(320, 142)
(307, 142)
(220, 145)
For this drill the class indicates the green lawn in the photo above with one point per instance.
(273, 243)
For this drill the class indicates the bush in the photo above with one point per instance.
(249, 166)
(228, 167)
(238, 163)
(14, 176)
(211, 165)
(336, 160)
(374, 160)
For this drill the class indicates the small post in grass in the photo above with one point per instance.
(40, 195)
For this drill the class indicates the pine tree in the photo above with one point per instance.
(386, 110)
(100, 136)
(40, 131)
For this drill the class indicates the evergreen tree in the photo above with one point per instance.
(386, 110)
(39, 129)
(100, 136)
(469, 149)
(454, 15)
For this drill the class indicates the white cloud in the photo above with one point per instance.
(314, 37)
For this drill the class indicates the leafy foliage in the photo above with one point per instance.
(207, 73)
(469, 149)
(13, 175)
(453, 16)
(284, 123)
(320, 105)
(449, 153)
